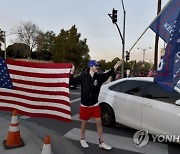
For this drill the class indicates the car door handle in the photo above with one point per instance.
(148, 104)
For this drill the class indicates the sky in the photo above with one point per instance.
(92, 21)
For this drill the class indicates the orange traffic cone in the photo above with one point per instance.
(47, 146)
(13, 140)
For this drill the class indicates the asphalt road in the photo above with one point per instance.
(118, 136)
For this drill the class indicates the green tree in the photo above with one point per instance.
(45, 43)
(18, 50)
(68, 47)
(103, 64)
(108, 65)
(142, 68)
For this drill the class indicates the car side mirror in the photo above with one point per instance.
(178, 102)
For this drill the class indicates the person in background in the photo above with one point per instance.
(91, 82)
(113, 76)
(151, 73)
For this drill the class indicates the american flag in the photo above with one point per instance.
(35, 89)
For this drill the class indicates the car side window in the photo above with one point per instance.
(133, 87)
(154, 91)
(116, 87)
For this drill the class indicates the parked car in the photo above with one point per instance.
(141, 104)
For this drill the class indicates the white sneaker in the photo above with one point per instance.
(84, 144)
(105, 146)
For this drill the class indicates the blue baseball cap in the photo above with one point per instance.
(93, 63)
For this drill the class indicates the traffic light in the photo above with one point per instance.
(127, 55)
(114, 16)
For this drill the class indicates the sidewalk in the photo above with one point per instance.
(33, 136)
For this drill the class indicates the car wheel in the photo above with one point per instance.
(107, 115)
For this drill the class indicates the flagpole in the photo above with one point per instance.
(150, 24)
(157, 40)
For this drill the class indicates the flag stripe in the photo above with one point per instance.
(36, 106)
(23, 98)
(46, 80)
(38, 88)
(64, 117)
(42, 75)
(43, 84)
(37, 95)
(25, 109)
(39, 65)
(41, 92)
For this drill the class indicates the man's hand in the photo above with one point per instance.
(117, 64)
(72, 69)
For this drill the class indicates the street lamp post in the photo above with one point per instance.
(122, 36)
(123, 45)
(144, 52)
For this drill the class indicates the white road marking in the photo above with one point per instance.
(75, 100)
(119, 142)
(24, 117)
(75, 93)
(76, 117)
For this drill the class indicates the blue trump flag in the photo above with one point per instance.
(168, 72)
(163, 24)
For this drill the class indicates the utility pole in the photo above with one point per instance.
(123, 42)
(113, 16)
(156, 40)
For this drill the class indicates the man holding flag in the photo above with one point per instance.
(91, 82)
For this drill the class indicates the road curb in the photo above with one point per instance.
(59, 144)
